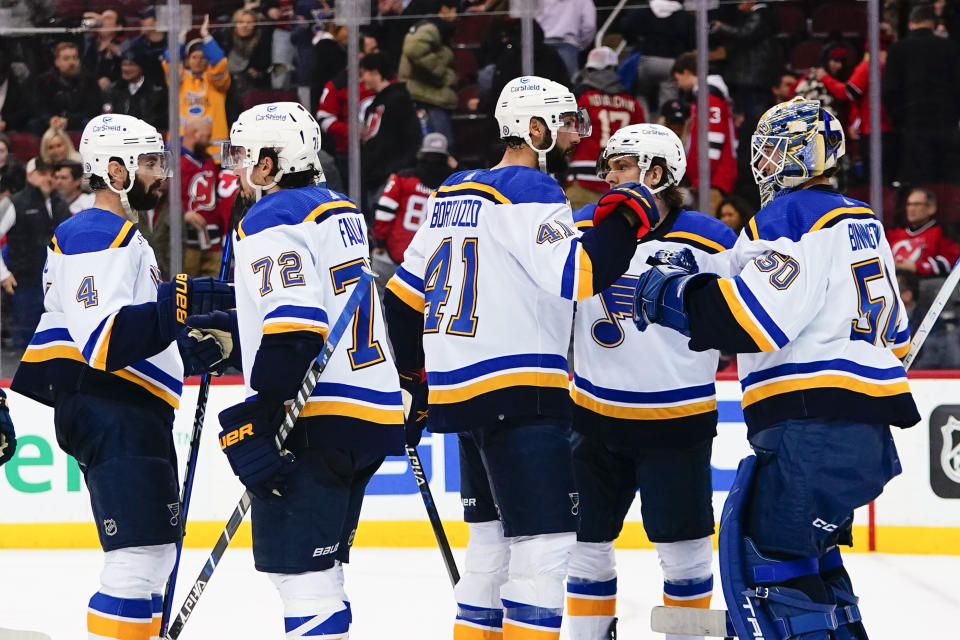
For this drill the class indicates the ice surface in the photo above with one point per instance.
(400, 594)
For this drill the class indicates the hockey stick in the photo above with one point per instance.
(716, 622)
(16, 634)
(191, 470)
(360, 293)
(433, 515)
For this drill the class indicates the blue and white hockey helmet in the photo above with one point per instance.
(138, 144)
(795, 141)
(286, 127)
(645, 142)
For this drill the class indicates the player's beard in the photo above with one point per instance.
(558, 160)
(141, 199)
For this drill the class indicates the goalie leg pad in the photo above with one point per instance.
(838, 582)
(591, 590)
(313, 604)
(758, 606)
(533, 595)
(479, 610)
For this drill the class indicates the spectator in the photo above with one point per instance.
(136, 93)
(568, 26)
(921, 92)
(247, 48)
(65, 97)
(154, 224)
(198, 188)
(856, 91)
(784, 86)
(282, 51)
(324, 57)
(836, 65)
(101, 47)
(68, 181)
(332, 109)
(610, 107)
(310, 19)
(402, 207)
(56, 147)
(149, 46)
(921, 246)
(722, 154)
(753, 56)
(660, 33)
(941, 348)
(429, 68)
(735, 212)
(12, 174)
(674, 115)
(395, 21)
(391, 129)
(203, 85)
(14, 105)
(947, 19)
(28, 225)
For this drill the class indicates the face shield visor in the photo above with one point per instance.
(577, 122)
(154, 165)
(233, 157)
(768, 154)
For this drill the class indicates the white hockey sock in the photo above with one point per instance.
(533, 595)
(591, 591)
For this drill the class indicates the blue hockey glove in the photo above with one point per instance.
(413, 388)
(184, 296)
(637, 199)
(8, 439)
(247, 439)
(221, 325)
(201, 353)
(659, 298)
(683, 259)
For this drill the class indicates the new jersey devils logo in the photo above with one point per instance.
(202, 190)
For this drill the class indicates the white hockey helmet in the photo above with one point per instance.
(134, 142)
(529, 97)
(286, 127)
(646, 142)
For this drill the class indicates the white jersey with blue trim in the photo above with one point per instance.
(298, 254)
(670, 400)
(815, 290)
(494, 270)
(96, 264)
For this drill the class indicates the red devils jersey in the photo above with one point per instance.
(332, 109)
(722, 154)
(927, 247)
(198, 190)
(400, 213)
(607, 113)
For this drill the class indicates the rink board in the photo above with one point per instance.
(43, 500)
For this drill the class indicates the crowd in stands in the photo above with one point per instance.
(430, 73)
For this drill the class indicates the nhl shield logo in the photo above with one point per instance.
(945, 452)
(950, 450)
(110, 527)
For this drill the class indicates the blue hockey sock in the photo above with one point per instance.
(333, 627)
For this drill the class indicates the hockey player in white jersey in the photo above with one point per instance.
(299, 250)
(479, 315)
(815, 315)
(651, 429)
(109, 355)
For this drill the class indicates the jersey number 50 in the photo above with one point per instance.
(436, 289)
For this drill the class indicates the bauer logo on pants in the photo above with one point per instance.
(945, 451)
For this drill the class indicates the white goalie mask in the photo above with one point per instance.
(138, 145)
(646, 142)
(529, 97)
(287, 128)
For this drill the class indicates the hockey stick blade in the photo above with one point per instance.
(15, 634)
(691, 622)
(360, 293)
(433, 515)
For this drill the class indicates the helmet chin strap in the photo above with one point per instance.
(132, 216)
(259, 189)
(541, 153)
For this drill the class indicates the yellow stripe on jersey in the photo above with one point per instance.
(478, 186)
(99, 360)
(513, 631)
(752, 229)
(117, 629)
(696, 238)
(642, 413)
(350, 410)
(287, 327)
(583, 224)
(43, 354)
(161, 393)
(742, 317)
(120, 236)
(411, 298)
(466, 631)
(521, 379)
(584, 275)
(833, 213)
(902, 351)
(875, 389)
(326, 206)
(56, 247)
(578, 606)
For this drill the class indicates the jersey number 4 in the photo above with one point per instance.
(437, 289)
(86, 293)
